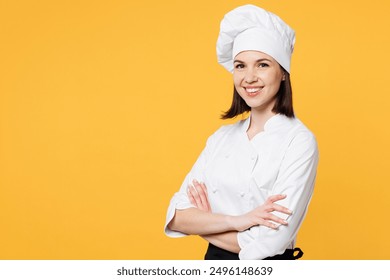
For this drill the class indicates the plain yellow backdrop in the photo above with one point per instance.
(105, 106)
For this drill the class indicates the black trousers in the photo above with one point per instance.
(216, 253)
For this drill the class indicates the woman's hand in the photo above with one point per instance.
(262, 215)
(197, 193)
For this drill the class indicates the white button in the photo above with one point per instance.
(242, 194)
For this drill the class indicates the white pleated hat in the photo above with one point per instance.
(249, 27)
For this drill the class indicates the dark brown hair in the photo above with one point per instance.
(283, 104)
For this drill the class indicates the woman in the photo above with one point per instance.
(249, 190)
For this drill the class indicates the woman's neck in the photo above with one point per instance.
(257, 122)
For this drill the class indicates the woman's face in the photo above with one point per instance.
(257, 77)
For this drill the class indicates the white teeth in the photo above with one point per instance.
(251, 90)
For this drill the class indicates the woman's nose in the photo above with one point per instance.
(250, 76)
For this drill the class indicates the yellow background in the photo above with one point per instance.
(105, 106)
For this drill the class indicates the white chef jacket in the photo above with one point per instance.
(240, 174)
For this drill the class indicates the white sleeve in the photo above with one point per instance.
(295, 179)
(180, 199)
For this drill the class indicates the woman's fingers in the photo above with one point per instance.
(269, 224)
(276, 219)
(281, 209)
(272, 206)
(191, 196)
(202, 192)
(194, 196)
(263, 215)
(197, 193)
(276, 197)
(204, 189)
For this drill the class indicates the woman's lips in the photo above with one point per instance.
(253, 91)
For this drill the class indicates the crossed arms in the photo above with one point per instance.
(221, 230)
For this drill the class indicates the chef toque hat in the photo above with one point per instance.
(252, 28)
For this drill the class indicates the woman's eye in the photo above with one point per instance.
(261, 65)
(239, 66)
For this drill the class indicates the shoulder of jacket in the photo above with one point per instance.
(300, 128)
(300, 133)
(225, 130)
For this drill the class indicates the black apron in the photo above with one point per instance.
(216, 253)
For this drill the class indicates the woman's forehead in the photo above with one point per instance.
(253, 55)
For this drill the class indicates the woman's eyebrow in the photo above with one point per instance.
(259, 60)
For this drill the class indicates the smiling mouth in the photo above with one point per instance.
(253, 91)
